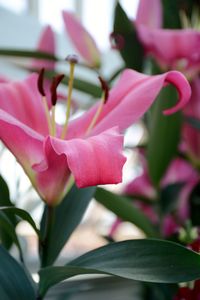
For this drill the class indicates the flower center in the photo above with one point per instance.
(40, 84)
(50, 115)
(55, 82)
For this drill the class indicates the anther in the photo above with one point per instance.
(105, 88)
(40, 82)
(53, 88)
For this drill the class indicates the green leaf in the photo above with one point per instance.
(6, 240)
(67, 216)
(27, 54)
(159, 291)
(24, 215)
(79, 84)
(123, 208)
(164, 134)
(195, 123)
(14, 282)
(172, 9)
(131, 51)
(169, 196)
(171, 17)
(4, 193)
(194, 206)
(143, 260)
(9, 229)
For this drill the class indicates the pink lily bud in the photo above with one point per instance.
(46, 44)
(82, 40)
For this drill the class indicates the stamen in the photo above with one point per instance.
(53, 89)
(104, 99)
(72, 59)
(40, 84)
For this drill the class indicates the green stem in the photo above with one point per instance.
(44, 243)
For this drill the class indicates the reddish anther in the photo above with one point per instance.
(53, 88)
(105, 88)
(40, 82)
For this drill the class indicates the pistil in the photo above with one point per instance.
(72, 59)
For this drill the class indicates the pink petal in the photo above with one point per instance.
(170, 226)
(130, 99)
(179, 171)
(22, 141)
(3, 79)
(52, 174)
(149, 13)
(96, 160)
(141, 185)
(172, 48)
(46, 44)
(82, 40)
(22, 101)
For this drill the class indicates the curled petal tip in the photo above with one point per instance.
(184, 90)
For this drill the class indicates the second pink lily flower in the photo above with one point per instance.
(172, 49)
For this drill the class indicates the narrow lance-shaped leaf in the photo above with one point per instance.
(27, 54)
(123, 208)
(129, 45)
(9, 229)
(66, 217)
(172, 9)
(164, 135)
(195, 123)
(14, 281)
(5, 201)
(24, 215)
(143, 260)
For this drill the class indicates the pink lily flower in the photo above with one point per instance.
(91, 150)
(82, 40)
(191, 135)
(178, 171)
(173, 49)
